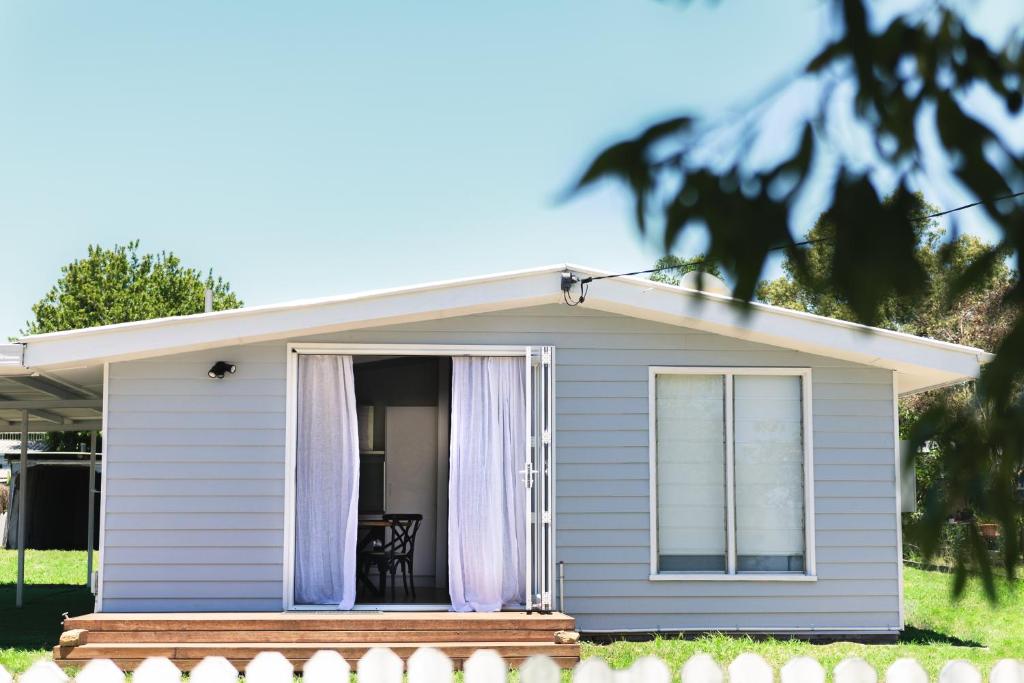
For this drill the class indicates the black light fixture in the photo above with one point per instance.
(221, 368)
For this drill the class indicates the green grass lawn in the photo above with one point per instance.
(938, 629)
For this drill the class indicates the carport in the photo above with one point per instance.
(37, 402)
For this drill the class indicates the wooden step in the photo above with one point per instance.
(185, 655)
(186, 638)
(350, 621)
(320, 636)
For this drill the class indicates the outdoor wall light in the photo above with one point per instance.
(220, 368)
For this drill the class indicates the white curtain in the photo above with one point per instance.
(326, 482)
(486, 499)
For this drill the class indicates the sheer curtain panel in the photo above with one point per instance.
(326, 482)
(487, 501)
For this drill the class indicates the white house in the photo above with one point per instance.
(655, 459)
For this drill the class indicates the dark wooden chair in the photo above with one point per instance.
(401, 549)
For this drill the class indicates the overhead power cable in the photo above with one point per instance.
(585, 282)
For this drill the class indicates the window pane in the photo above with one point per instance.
(690, 452)
(769, 473)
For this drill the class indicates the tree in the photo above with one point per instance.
(119, 285)
(672, 268)
(893, 103)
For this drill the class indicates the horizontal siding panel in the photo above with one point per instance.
(847, 473)
(851, 522)
(854, 505)
(247, 369)
(607, 439)
(604, 520)
(854, 489)
(195, 538)
(585, 504)
(855, 456)
(599, 405)
(624, 421)
(271, 435)
(603, 488)
(186, 454)
(192, 604)
(729, 589)
(194, 403)
(195, 504)
(213, 487)
(601, 555)
(163, 555)
(206, 571)
(745, 606)
(854, 439)
(587, 455)
(194, 521)
(206, 419)
(201, 386)
(885, 571)
(176, 471)
(624, 620)
(839, 538)
(853, 406)
(603, 471)
(856, 554)
(193, 589)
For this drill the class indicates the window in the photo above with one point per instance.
(730, 457)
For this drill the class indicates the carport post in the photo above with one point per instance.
(92, 506)
(19, 597)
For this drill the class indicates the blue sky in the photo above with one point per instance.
(306, 149)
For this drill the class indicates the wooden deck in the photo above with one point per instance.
(187, 638)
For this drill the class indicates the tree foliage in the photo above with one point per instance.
(671, 268)
(120, 285)
(892, 105)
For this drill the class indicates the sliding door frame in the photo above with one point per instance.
(294, 350)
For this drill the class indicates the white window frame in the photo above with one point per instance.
(810, 571)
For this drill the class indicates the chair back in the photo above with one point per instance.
(403, 532)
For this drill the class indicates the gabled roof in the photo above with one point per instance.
(919, 363)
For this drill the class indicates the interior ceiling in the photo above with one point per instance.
(65, 401)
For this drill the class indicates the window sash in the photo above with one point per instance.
(728, 376)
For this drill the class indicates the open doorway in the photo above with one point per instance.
(419, 480)
(403, 403)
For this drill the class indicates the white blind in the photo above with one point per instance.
(690, 461)
(769, 472)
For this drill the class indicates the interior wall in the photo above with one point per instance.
(412, 478)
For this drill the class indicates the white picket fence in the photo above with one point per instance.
(427, 665)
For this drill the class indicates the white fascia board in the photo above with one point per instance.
(925, 362)
(11, 360)
(191, 333)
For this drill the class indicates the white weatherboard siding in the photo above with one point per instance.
(195, 482)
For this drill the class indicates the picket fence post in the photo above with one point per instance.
(325, 666)
(1007, 671)
(905, 670)
(855, 670)
(379, 665)
(269, 667)
(540, 669)
(429, 665)
(802, 670)
(701, 668)
(959, 671)
(485, 666)
(750, 668)
(100, 671)
(156, 670)
(592, 670)
(43, 671)
(213, 670)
